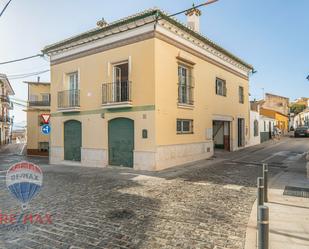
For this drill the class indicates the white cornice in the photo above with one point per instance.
(181, 36)
(141, 27)
(108, 38)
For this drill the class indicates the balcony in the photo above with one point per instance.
(41, 103)
(69, 100)
(4, 98)
(117, 94)
(6, 119)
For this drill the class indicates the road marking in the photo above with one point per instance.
(267, 158)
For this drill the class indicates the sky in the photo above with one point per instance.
(272, 35)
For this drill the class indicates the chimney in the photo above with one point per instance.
(193, 18)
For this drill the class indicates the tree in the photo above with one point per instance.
(297, 108)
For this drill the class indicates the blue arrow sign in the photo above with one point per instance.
(45, 129)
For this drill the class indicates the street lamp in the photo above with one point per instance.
(307, 77)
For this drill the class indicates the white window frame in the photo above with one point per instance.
(184, 83)
(182, 131)
(221, 91)
(114, 90)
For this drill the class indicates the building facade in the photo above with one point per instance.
(282, 120)
(266, 127)
(301, 119)
(146, 92)
(6, 121)
(277, 103)
(38, 104)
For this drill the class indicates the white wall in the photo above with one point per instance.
(254, 140)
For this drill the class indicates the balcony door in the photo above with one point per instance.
(73, 89)
(120, 82)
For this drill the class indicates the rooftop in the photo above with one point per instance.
(37, 82)
(153, 15)
(5, 80)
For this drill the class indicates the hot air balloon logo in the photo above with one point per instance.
(24, 181)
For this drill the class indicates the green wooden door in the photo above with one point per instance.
(72, 140)
(121, 142)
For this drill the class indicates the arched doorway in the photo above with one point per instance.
(121, 142)
(72, 140)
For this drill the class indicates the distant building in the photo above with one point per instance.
(19, 136)
(277, 103)
(302, 101)
(282, 120)
(302, 119)
(38, 104)
(6, 105)
(266, 128)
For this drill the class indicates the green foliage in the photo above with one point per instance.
(297, 108)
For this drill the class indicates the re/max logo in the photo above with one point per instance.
(11, 219)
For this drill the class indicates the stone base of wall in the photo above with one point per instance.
(165, 157)
(172, 155)
(145, 160)
(94, 157)
(56, 155)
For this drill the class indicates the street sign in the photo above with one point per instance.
(45, 118)
(45, 129)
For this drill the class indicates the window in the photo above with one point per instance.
(184, 126)
(220, 87)
(185, 86)
(33, 98)
(73, 81)
(43, 146)
(241, 95)
(45, 97)
(256, 128)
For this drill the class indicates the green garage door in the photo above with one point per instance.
(121, 142)
(72, 140)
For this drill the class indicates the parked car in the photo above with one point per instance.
(302, 131)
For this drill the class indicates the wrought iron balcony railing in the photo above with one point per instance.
(39, 103)
(5, 119)
(116, 92)
(69, 99)
(5, 98)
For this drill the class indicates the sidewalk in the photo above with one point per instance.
(289, 215)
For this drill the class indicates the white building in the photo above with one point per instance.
(266, 128)
(254, 128)
(302, 119)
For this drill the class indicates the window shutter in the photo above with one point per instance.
(216, 86)
(224, 89)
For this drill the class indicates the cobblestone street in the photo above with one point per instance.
(205, 205)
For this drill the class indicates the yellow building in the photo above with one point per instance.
(146, 92)
(282, 121)
(6, 105)
(38, 104)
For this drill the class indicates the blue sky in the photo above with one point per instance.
(272, 35)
